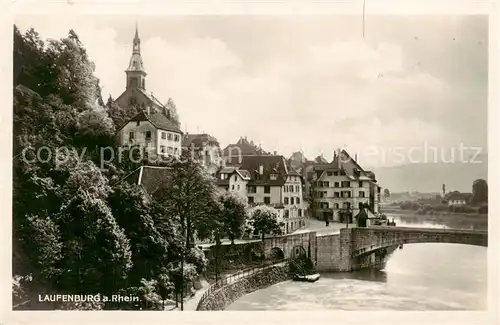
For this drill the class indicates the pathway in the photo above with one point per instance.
(192, 303)
(321, 229)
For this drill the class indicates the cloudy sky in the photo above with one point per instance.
(308, 83)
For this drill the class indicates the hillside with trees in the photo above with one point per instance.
(77, 227)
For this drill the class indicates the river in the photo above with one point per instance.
(416, 277)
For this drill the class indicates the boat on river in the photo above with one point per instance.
(307, 278)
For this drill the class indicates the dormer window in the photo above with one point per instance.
(273, 177)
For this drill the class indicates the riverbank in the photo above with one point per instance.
(435, 213)
(223, 297)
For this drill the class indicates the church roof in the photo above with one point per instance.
(136, 63)
(159, 120)
(198, 140)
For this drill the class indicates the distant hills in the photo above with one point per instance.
(429, 177)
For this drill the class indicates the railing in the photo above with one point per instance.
(239, 275)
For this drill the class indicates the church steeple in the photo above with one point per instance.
(136, 74)
(137, 42)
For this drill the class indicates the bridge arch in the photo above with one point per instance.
(276, 253)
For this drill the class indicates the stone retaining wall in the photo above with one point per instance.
(226, 295)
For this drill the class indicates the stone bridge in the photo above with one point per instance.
(368, 240)
(357, 248)
(370, 247)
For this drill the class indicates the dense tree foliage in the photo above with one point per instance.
(479, 192)
(172, 110)
(264, 221)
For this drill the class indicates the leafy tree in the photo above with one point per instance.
(479, 192)
(164, 286)
(189, 197)
(233, 215)
(118, 114)
(149, 244)
(172, 110)
(311, 197)
(264, 220)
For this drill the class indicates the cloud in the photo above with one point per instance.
(289, 92)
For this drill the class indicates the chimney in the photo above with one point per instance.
(261, 169)
(356, 157)
(339, 163)
(275, 153)
(148, 110)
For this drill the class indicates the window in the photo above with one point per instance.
(286, 213)
(335, 205)
(290, 187)
(267, 189)
(299, 212)
(298, 200)
(148, 135)
(138, 123)
(345, 184)
(291, 200)
(297, 188)
(324, 205)
(170, 150)
(232, 187)
(163, 135)
(274, 177)
(132, 101)
(360, 205)
(250, 199)
(176, 137)
(346, 194)
(267, 199)
(328, 173)
(238, 187)
(251, 189)
(342, 173)
(176, 150)
(131, 136)
(335, 173)
(361, 194)
(162, 149)
(337, 184)
(169, 136)
(286, 200)
(285, 189)
(361, 184)
(235, 178)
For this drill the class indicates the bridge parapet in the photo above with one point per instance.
(367, 240)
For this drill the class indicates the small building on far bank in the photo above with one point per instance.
(458, 199)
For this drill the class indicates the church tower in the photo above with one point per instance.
(136, 75)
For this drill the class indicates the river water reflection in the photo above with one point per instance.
(417, 277)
